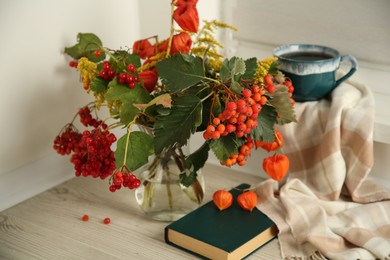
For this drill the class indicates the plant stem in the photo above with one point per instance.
(127, 145)
(109, 54)
(206, 97)
(169, 191)
(172, 31)
(114, 125)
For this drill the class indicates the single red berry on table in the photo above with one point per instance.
(85, 217)
(107, 221)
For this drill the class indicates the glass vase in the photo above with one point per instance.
(161, 196)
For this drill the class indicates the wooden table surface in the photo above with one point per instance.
(49, 225)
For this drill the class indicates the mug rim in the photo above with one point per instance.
(277, 52)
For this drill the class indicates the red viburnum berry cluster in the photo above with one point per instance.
(124, 178)
(95, 157)
(68, 140)
(92, 155)
(107, 72)
(130, 78)
(87, 120)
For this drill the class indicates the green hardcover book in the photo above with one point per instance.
(232, 233)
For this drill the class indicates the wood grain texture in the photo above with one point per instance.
(49, 226)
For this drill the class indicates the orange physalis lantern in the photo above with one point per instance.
(222, 199)
(247, 200)
(181, 43)
(186, 16)
(149, 77)
(143, 48)
(276, 166)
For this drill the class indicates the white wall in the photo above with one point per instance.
(39, 91)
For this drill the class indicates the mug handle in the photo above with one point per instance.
(354, 67)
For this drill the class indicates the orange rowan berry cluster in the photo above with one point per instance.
(243, 152)
(240, 116)
(269, 81)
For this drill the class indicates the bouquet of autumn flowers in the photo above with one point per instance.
(163, 92)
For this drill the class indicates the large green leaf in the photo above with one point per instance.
(175, 125)
(265, 129)
(231, 68)
(194, 162)
(127, 112)
(137, 95)
(197, 159)
(137, 146)
(98, 85)
(282, 102)
(129, 97)
(180, 71)
(273, 69)
(86, 46)
(225, 147)
(251, 67)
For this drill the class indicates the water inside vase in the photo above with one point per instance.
(162, 197)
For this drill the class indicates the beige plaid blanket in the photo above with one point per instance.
(328, 207)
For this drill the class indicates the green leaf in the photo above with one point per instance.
(197, 159)
(128, 97)
(236, 87)
(180, 71)
(137, 95)
(98, 85)
(176, 125)
(265, 129)
(273, 69)
(86, 46)
(224, 147)
(187, 177)
(282, 103)
(238, 67)
(231, 68)
(194, 162)
(124, 58)
(127, 112)
(139, 148)
(251, 67)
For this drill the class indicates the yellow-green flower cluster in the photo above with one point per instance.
(206, 43)
(88, 70)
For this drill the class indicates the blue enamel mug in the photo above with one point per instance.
(312, 69)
